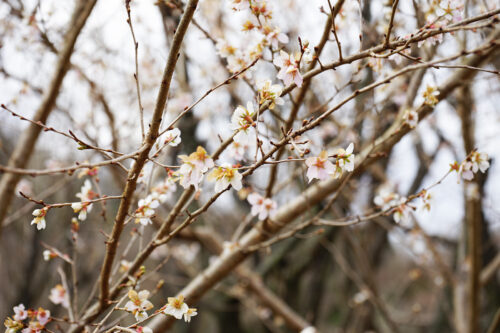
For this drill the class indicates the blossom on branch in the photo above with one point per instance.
(410, 118)
(475, 162)
(59, 295)
(194, 166)
(43, 316)
(270, 92)
(138, 304)
(191, 312)
(242, 121)
(319, 167)
(345, 161)
(263, 207)
(429, 95)
(274, 36)
(146, 209)
(224, 176)
(33, 327)
(173, 137)
(176, 307)
(39, 219)
(401, 213)
(452, 10)
(224, 49)
(289, 68)
(308, 55)
(393, 203)
(84, 206)
(20, 312)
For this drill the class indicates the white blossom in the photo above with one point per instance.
(191, 312)
(173, 137)
(84, 206)
(138, 304)
(39, 219)
(146, 210)
(270, 92)
(176, 307)
(411, 118)
(20, 312)
(224, 176)
(242, 121)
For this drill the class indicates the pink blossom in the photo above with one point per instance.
(289, 68)
(319, 167)
(58, 295)
(43, 316)
(263, 207)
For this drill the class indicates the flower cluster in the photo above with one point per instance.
(138, 304)
(236, 59)
(321, 168)
(37, 320)
(39, 219)
(473, 163)
(263, 207)
(388, 200)
(177, 308)
(224, 176)
(84, 206)
(160, 193)
(194, 167)
(398, 205)
(440, 13)
(259, 23)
